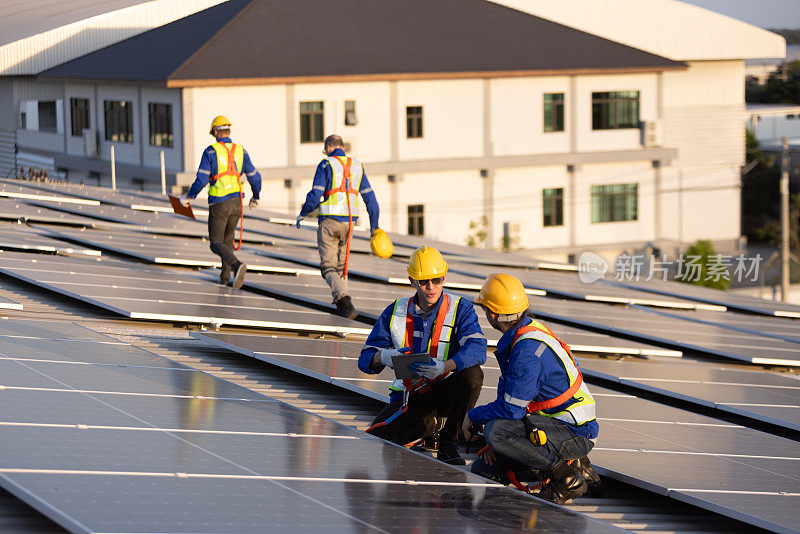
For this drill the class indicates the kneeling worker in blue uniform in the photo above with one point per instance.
(446, 328)
(542, 424)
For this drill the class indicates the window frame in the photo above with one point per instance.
(556, 113)
(609, 113)
(312, 121)
(47, 128)
(114, 119)
(155, 138)
(76, 112)
(416, 219)
(552, 197)
(615, 203)
(350, 117)
(414, 125)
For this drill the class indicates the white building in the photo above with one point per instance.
(564, 140)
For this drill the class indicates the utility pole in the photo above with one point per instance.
(785, 221)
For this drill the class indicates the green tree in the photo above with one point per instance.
(782, 86)
(702, 266)
(478, 232)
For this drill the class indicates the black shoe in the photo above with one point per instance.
(593, 482)
(344, 308)
(238, 275)
(565, 484)
(448, 453)
(225, 276)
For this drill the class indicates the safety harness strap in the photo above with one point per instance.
(344, 187)
(433, 345)
(230, 169)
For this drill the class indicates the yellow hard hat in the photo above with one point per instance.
(426, 263)
(381, 245)
(220, 120)
(503, 294)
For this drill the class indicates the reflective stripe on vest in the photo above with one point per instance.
(401, 327)
(229, 164)
(346, 174)
(583, 410)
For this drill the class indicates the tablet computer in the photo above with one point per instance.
(402, 363)
(179, 208)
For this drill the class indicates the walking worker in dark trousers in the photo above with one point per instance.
(446, 328)
(338, 181)
(544, 415)
(222, 166)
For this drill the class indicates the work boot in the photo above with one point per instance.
(593, 482)
(448, 453)
(565, 484)
(344, 308)
(238, 275)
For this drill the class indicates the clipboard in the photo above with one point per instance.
(180, 209)
(403, 362)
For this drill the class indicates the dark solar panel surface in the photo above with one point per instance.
(144, 292)
(171, 449)
(650, 445)
(23, 238)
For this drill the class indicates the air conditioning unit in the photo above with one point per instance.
(652, 133)
(90, 143)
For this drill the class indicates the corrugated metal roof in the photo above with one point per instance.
(38, 34)
(273, 41)
(668, 28)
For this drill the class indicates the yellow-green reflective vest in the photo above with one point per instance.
(402, 321)
(345, 182)
(230, 159)
(583, 410)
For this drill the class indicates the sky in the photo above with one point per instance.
(763, 13)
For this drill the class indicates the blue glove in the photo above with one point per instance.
(386, 355)
(297, 223)
(429, 370)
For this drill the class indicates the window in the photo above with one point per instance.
(416, 220)
(790, 116)
(614, 203)
(47, 116)
(312, 124)
(79, 113)
(553, 206)
(554, 112)
(350, 113)
(414, 123)
(118, 121)
(615, 110)
(160, 124)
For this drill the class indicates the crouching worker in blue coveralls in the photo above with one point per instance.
(542, 425)
(443, 326)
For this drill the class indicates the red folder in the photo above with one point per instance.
(180, 209)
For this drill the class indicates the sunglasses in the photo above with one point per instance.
(435, 281)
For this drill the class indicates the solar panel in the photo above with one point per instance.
(143, 292)
(647, 444)
(565, 284)
(131, 460)
(728, 299)
(8, 304)
(778, 327)
(18, 192)
(759, 395)
(23, 238)
(174, 250)
(11, 210)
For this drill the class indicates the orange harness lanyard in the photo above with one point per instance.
(345, 188)
(564, 397)
(234, 173)
(424, 384)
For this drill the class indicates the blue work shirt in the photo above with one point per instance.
(208, 168)
(323, 181)
(467, 342)
(523, 375)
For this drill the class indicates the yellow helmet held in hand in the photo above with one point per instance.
(426, 263)
(503, 294)
(381, 245)
(218, 122)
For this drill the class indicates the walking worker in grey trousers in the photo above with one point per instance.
(337, 183)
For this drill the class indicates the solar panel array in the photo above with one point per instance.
(99, 419)
(124, 441)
